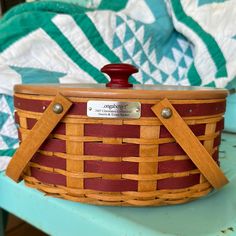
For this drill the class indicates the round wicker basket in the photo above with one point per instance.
(140, 146)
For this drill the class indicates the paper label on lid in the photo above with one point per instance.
(114, 109)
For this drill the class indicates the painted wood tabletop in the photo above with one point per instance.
(211, 215)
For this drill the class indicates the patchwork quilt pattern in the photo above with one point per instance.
(176, 42)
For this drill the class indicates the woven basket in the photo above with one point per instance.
(168, 155)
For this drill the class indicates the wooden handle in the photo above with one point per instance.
(41, 130)
(189, 143)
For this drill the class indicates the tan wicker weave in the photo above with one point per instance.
(147, 193)
(164, 152)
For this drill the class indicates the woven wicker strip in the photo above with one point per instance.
(141, 167)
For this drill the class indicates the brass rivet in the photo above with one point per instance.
(90, 108)
(57, 108)
(166, 113)
(137, 109)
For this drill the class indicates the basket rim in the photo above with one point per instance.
(138, 91)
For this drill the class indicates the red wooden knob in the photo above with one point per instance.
(119, 74)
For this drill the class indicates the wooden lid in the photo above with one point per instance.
(137, 91)
(119, 87)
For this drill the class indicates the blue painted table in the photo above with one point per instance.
(212, 215)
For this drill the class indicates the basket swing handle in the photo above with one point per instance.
(163, 110)
(41, 130)
(189, 143)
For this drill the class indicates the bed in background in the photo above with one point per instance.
(178, 42)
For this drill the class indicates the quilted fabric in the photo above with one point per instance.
(177, 42)
(8, 131)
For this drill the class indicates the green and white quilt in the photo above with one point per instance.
(178, 42)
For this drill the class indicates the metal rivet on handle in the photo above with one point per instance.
(57, 108)
(166, 113)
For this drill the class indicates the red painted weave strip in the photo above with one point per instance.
(178, 183)
(59, 129)
(204, 109)
(54, 162)
(53, 145)
(41, 106)
(47, 177)
(185, 110)
(108, 185)
(173, 149)
(196, 129)
(170, 149)
(220, 125)
(98, 149)
(174, 166)
(217, 141)
(30, 122)
(117, 167)
(30, 104)
(114, 131)
(98, 130)
(78, 109)
(17, 119)
(215, 156)
(116, 150)
(104, 167)
(111, 150)
(121, 131)
(19, 135)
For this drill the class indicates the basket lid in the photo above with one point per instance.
(120, 88)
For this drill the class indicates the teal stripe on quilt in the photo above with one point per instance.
(212, 46)
(9, 100)
(211, 84)
(18, 27)
(96, 40)
(203, 2)
(94, 37)
(9, 141)
(7, 152)
(112, 5)
(3, 118)
(68, 48)
(25, 18)
(47, 7)
(39, 76)
(193, 76)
